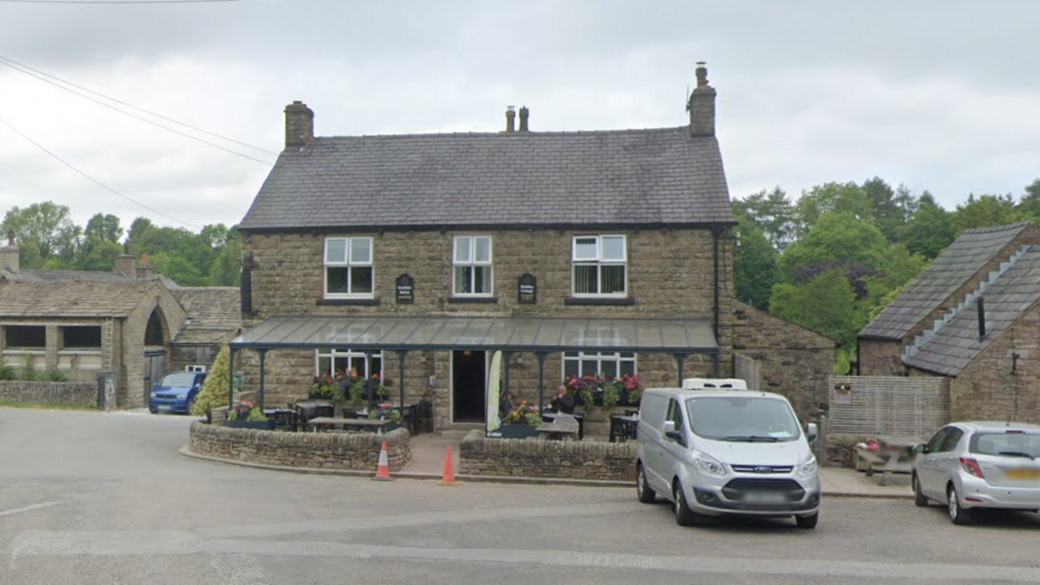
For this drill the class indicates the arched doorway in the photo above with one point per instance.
(155, 341)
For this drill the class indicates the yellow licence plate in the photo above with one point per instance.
(1022, 474)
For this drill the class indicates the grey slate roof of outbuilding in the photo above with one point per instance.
(954, 346)
(214, 314)
(625, 178)
(947, 273)
(73, 298)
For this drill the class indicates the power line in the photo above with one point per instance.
(13, 65)
(117, 1)
(92, 179)
(16, 65)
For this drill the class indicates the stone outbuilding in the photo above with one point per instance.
(417, 257)
(971, 317)
(128, 323)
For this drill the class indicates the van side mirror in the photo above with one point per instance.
(669, 426)
(671, 433)
(811, 432)
(920, 448)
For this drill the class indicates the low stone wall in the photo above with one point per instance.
(540, 458)
(55, 393)
(354, 451)
(841, 447)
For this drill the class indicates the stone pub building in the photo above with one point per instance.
(417, 257)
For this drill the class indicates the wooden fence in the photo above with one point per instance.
(876, 405)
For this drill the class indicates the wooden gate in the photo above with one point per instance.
(878, 405)
(154, 370)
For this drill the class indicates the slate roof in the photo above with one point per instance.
(627, 177)
(72, 298)
(954, 346)
(214, 314)
(947, 273)
(77, 276)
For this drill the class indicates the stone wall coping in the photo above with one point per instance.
(476, 440)
(393, 438)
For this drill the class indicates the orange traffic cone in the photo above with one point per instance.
(383, 471)
(449, 472)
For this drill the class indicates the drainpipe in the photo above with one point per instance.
(715, 239)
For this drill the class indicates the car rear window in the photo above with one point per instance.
(1010, 444)
(179, 379)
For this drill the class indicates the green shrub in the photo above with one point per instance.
(214, 393)
(53, 374)
(6, 372)
(29, 373)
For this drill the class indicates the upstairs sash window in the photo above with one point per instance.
(599, 266)
(348, 268)
(472, 266)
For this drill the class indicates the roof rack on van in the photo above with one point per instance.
(714, 384)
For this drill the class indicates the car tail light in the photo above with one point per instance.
(971, 466)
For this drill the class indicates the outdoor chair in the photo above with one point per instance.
(424, 416)
(410, 418)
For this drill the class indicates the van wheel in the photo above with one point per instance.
(643, 491)
(808, 522)
(684, 516)
(958, 515)
(920, 500)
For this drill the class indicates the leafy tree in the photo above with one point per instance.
(836, 236)
(178, 269)
(1029, 204)
(226, 270)
(98, 255)
(826, 305)
(984, 211)
(930, 229)
(772, 212)
(754, 265)
(104, 228)
(138, 228)
(214, 393)
(46, 225)
(831, 197)
(888, 214)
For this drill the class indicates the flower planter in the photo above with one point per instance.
(263, 425)
(513, 432)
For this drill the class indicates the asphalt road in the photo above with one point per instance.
(92, 498)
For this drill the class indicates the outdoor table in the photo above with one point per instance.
(364, 423)
(283, 418)
(559, 429)
(550, 415)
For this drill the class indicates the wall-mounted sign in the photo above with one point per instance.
(842, 393)
(527, 289)
(405, 290)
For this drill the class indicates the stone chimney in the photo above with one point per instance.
(510, 120)
(9, 254)
(145, 269)
(299, 125)
(125, 265)
(702, 105)
(524, 114)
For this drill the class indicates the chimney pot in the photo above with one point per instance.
(524, 115)
(9, 254)
(510, 120)
(299, 125)
(702, 105)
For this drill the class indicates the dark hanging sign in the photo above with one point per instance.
(405, 290)
(527, 289)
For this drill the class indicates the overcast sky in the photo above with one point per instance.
(940, 95)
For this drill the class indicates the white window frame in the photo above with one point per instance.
(472, 262)
(348, 263)
(333, 354)
(599, 357)
(599, 261)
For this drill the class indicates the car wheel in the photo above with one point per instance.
(958, 515)
(808, 522)
(920, 500)
(684, 516)
(645, 494)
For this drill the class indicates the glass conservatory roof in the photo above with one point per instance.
(685, 336)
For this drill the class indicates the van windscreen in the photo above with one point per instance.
(742, 419)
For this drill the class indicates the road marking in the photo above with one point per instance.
(27, 508)
(147, 543)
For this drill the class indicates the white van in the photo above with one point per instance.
(718, 451)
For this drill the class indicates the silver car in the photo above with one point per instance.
(970, 465)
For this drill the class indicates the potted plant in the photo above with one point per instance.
(386, 411)
(588, 390)
(326, 387)
(520, 422)
(248, 415)
(631, 389)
